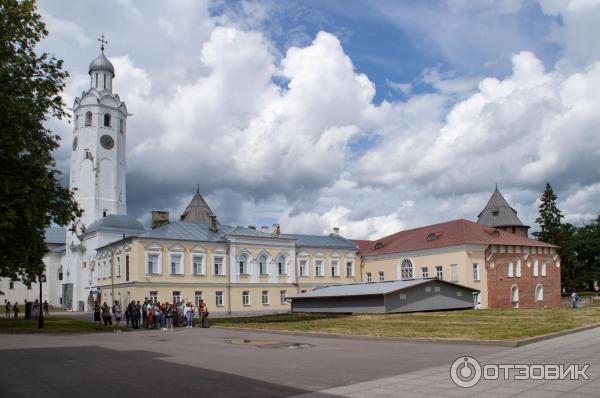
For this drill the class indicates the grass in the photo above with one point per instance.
(490, 324)
(51, 325)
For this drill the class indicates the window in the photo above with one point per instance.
(176, 268)
(281, 265)
(427, 289)
(535, 267)
(369, 278)
(127, 268)
(197, 297)
(453, 273)
(459, 294)
(176, 296)
(245, 297)
(403, 296)
(87, 154)
(262, 264)
(118, 266)
(107, 120)
(349, 268)
(104, 80)
(153, 263)
(381, 276)
(334, 268)
(198, 265)
(110, 268)
(539, 293)
(153, 296)
(543, 268)
(11, 284)
(495, 213)
(511, 272)
(60, 275)
(476, 273)
(243, 263)
(218, 264)
(319, 267)
(518, 268)
(96, 79)
(219, 299)
(439, 272)
(283, 296)
(431, 236)
(436, 289)
(514, 296)
(424, 272)
(265, 297)
(406, 269)
(122, 125)
(303, 268)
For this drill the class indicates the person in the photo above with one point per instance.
(132, 311)
(35, 309)
(575, 299)
(138, 312)
(97, 311)
(106, 314)
(16, 309)
(145, 312)
(7, 308)
(203, 310)
(169, 316)
(46, 308)
(127, 316)
(176, 314)
(116, 309)
(189, 314)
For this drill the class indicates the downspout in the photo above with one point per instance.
(112, 275)
(362, 267)
(228, 278)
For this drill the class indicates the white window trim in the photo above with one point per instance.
(285, 265)
(477, 272)
(539, 286)
(369, 277)
(353, 273)
(412, 269)
(543, 271)
(246, 296)
(246, 263)
(262, 296)
(306, 272)
(322, 272)
(424, 272)
(266, 257)
(510, 270)
(181, 262)
(518, 270)
(202, 263)
(214, 262)
(222, 299)
(536, 267)
(337, 266)
(118, 266)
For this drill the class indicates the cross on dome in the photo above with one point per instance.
(103, 41)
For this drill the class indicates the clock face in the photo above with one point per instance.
(107, 142)
(74, 143)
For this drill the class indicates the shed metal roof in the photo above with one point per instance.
(322, 241)
(368, 289)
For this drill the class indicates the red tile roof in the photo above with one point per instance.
(451, 233)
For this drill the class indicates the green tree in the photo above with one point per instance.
(550, 217)
(31, 196)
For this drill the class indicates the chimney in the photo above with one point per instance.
(252, 227)
(264, 229)
(336, 230)
(159, 218)
(213, 224)
(276, 230)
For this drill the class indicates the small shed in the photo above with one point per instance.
(430, 294)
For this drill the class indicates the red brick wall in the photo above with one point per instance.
(499, 284)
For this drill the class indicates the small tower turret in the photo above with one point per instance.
(498, 214)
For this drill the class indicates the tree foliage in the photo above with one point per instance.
(31, 196)
(550, 217)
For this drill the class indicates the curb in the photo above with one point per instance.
(500, 343)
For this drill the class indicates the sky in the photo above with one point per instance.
(371, 116)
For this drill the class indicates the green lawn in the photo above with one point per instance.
(491, 324)
(51, 325)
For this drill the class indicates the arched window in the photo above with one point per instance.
(281, 265)
(514, 296)
(431, 236)
(406, 269)
(88, 118)
(543, 268)
(539, 293)
(243, 261)
(121, 125)
(518, 268)
(107, 119)
(262, 264)
(510, 270)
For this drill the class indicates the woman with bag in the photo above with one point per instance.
(203, 310)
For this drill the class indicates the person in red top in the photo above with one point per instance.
(203, 311)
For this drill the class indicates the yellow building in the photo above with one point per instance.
(234, 269)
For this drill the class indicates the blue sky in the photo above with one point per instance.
(369, 115)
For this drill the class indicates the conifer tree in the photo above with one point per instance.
(549, 218)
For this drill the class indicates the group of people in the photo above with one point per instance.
(151, 314)
(35, 308)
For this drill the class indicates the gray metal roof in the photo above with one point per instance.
(102, 63)
(59, 249)
(498, 213)
(185, 231)
(55, 235)
(368, 289)
(249, 232)
(120, 223)
(322, 241)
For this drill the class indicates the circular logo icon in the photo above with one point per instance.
(465, 372)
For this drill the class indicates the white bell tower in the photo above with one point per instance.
(98, 151)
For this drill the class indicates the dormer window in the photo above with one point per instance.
(496, 232)
(495, 213)
(378, 245)
(431, 236)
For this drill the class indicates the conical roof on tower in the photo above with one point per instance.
(498, 213)
(197, 211)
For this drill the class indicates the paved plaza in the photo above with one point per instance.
(229, 363)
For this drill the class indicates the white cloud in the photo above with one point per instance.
(66, 30)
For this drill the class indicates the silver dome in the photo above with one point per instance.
(102, 63)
